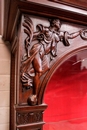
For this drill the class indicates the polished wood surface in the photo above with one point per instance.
(79, 3)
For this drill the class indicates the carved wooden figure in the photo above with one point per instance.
(37, 58)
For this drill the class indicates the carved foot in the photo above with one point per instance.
(32, 100)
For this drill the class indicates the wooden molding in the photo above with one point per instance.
(73, 3)
(16, 7)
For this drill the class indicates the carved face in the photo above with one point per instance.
(56, 23)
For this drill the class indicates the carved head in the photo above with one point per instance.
(55, 23)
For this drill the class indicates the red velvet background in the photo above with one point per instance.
(66, 96)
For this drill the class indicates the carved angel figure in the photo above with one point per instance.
(47, 39)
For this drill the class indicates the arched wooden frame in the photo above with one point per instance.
(53, 69)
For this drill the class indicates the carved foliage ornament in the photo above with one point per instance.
(36, 61)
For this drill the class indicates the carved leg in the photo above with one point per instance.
(37, 64)
(32, 100)
(36, 83)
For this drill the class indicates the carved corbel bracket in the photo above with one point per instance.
(28, 115)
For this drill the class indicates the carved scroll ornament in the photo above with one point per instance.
(36, 61)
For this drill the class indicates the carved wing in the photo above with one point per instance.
(29, 30)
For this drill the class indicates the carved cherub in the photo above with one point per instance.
(48, 38)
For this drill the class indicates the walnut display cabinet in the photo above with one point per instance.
(43, 36)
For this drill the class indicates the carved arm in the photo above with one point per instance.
(73, 35)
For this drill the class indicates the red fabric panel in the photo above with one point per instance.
(66, 96)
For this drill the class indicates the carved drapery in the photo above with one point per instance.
(40, 49)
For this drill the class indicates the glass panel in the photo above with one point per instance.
(66, 95)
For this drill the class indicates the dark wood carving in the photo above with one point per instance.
(36, 61)
(29, 117)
